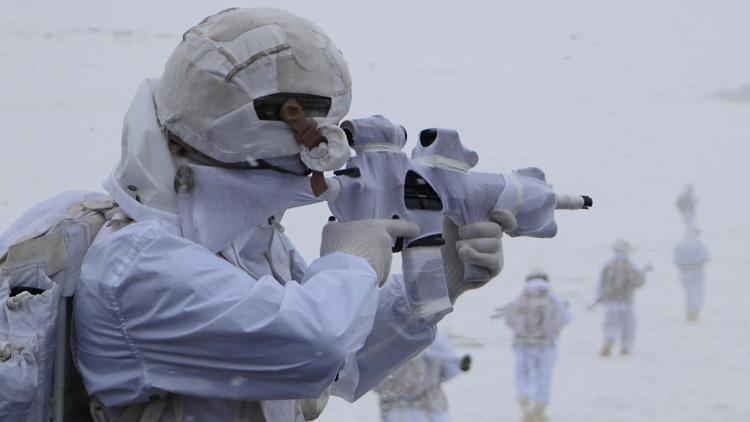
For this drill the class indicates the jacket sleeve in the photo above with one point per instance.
(441, 350)
(600, 284)
(705, 255)
(395, 338)
(158, 313)
(564, 310)
(513, 315)
(637, 276)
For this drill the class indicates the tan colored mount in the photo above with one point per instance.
(306, 132)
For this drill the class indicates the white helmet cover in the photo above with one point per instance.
(621, 247)
(231, 59)
(537, 274)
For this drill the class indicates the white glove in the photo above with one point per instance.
(369, 239)
(474, 243)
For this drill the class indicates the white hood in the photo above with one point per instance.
(224, 203)
(142, 183)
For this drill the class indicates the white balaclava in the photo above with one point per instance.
(224, 84)
(621, 248)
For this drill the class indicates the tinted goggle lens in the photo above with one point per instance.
(269, 107)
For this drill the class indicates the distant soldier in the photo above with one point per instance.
(690, 255)
(414, 392)
(536, 318)
(619, 280)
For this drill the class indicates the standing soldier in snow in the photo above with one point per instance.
(414, 392)
(536, 318)
(690, 255)
(617, 285)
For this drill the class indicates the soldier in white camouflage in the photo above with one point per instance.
(690, 256)
(619, 280)
(414, 392)
(536, 318)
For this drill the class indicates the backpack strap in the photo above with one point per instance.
(150, 411)
(178, 408)
(132, 413)
(154, 409)
(48, 248)
(70, 398)
(93, 212)
(248, 411)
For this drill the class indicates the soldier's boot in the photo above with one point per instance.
(693, 315)
(607, 348)
(538, 412)
(526, 410)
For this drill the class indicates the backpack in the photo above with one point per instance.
(619, 281)
(40, 264)
(535, 318)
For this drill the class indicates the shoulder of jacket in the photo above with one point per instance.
(135, 233)
(114, 252)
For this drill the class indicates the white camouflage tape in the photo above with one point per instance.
(568, 202)
(330, 155)
(381, 148)
(445, 163)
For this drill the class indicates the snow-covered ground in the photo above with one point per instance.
(613, 99)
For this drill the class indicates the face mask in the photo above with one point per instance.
(327, 156)
(217, 205)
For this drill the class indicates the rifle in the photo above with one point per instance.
(499, 313)
(381, 181)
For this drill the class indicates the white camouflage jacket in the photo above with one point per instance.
(219, 336)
